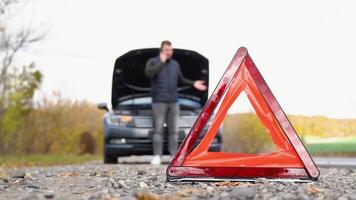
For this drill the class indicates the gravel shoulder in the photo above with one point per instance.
(141, 181)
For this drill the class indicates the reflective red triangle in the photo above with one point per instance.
(290, 161)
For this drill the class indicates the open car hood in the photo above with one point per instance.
(129, 80)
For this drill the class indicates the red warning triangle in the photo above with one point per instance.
(290, 161)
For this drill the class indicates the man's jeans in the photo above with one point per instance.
(169, 113)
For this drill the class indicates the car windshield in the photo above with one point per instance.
(147, 101)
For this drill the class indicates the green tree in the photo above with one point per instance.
(17, 86)
(23, 86)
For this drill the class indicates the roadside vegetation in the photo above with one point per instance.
(323, 136)
(45, 131)
(54, 132)
(338, 146)
(45, 159)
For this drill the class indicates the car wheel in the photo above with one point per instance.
(110, 159)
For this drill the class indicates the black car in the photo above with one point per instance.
(128, 127)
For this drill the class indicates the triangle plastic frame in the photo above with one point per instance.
(196, 163)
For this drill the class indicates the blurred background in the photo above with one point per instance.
(57, 60)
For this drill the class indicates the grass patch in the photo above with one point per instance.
(333, 146)
(45, 159)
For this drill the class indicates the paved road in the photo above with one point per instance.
(95, 181)
(335, 162)
(133, 179)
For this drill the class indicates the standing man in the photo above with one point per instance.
(165, 73)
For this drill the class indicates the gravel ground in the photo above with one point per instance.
(141, 181)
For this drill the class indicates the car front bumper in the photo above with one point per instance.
(146, 149)
(138, 141)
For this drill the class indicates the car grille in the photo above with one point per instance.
(146, 143)
(186, 121)
(141, 122)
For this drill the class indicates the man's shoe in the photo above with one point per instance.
(156, 160)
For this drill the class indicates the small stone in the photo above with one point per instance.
(33, 186)
(203, 185)
(348, 171)
(146, 195)
(122, 184)
(143, 185)
(49, 175)
(29, 177)
(262, 181)
(210, 189)
(2, 187)
(291, 186)
(113, 183)
(280, 188)
(154, 178)
(20, 181)
(4, 175)
(168, 185)
(49, 195)
(18, 174)
(93, 174)
(141, 172)
(106, 174)
(242, 192)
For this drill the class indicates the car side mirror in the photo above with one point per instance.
(103, 106)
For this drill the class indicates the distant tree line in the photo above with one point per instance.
(63, 126)
(245, 133)
(323, 127)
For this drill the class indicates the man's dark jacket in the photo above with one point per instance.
(164, 79)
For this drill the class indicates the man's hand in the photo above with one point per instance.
(162, 57)
(200, 85)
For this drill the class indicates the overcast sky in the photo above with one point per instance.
(306, 50)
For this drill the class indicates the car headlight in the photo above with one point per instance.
(126, 119)
(118, 141)
(120, 119)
